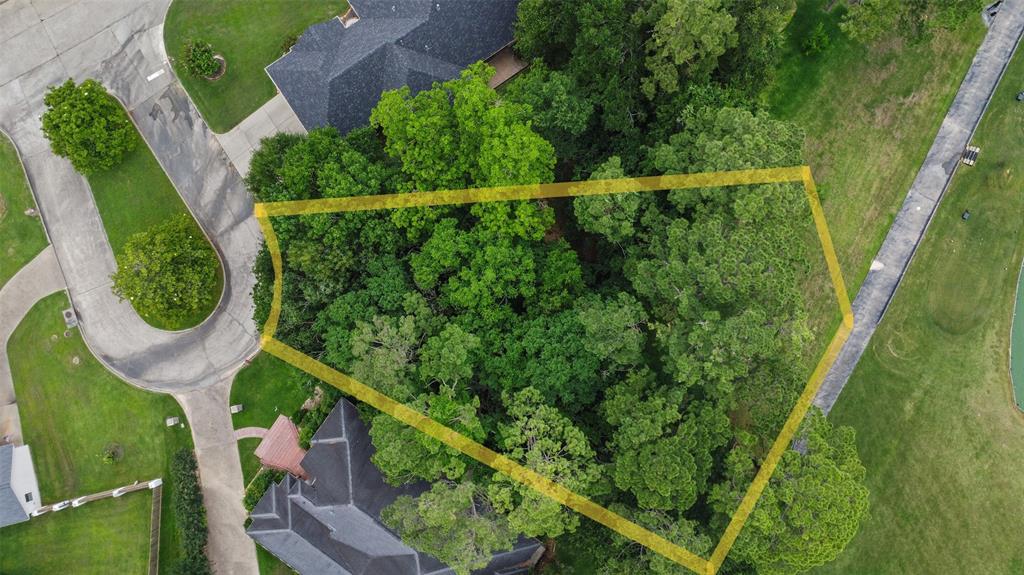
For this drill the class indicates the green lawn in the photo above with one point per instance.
(270, 565)
(930, 400)
(870, 115)
(21, 236)
(267, 387)
(134, 196)
(250, 34)
(250, 463)
(106, 536)
(70, 413)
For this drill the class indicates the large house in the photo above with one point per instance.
(329, 524)
(19, 491)
(336, 72)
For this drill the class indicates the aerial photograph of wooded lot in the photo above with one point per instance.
(496, 287)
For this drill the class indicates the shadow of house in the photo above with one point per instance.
(330, 524)
(338, 69)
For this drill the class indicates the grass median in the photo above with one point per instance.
(134, 197)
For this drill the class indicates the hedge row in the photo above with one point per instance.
(189, 514)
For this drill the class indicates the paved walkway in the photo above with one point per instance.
(230, 549)
(273, 117)
(250, 433)
(910, 225)
(38, 279)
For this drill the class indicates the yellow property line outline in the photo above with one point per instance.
(501, 463)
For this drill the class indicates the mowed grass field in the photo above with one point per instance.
(870, 115)
(930, 400)
(69, 414)
(133, 197)
(250, 34)
(107, 536)
(21, 236)
(266, 388)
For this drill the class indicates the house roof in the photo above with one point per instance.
(11, 510)
(280, 447)
(331, 523)
(335, 75)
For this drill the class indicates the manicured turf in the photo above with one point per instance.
(106, 536)
(250, 463)
(270, 565)
(870, 115)
(134, 196)
(267, 387)
(21, 236)
(930, 400)
(70, 413)
(250, 34)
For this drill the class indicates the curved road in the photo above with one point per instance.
(120, 43)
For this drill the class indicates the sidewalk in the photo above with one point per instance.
(273, 117)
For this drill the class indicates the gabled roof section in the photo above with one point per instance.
(11, 511)
(331, 523)
(335, 75)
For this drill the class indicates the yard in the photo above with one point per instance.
(267, 387)
(133, 197)
(250, 34)
(21, 236)
(72, 412)
(106, 536)
(930, 400)
(870, 115)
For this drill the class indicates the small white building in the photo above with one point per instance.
(19, 490)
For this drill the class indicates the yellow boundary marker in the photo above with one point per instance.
(499, 462)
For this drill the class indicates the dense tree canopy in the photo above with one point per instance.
(87, 126)
(641, 349)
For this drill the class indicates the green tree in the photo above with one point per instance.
(614, 328)
(868, 20)
(811, 507)
(168, 272)
(560, 112)
(453, 523)
(544, 440)
(687, 37)
(404, 453)
(384, 354)
(447, 357)
(631, 557)
(611, 215)
(87, 126)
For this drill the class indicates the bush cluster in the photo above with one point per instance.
(189, 514)
(199, 60)
(259, 485)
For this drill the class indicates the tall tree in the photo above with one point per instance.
(811, 507)
(453, 523)
(544, 440)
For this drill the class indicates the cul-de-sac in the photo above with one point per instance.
(511, 287)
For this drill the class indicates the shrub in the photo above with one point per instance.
(167, 272)
(189, 514)
(259, 485)
(818, 41)
(87, 126)
(199, 60)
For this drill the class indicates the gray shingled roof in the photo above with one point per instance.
(331, 524)
(11, 511)
(335, 75)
